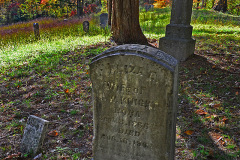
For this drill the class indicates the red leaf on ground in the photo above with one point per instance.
(189, 132)
(225, 120)
(216, 105)
(13, 156)
(201, 112)
(53, 133)
(66, 91)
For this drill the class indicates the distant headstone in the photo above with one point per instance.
(135, 103)
(148, 7)
(103, 20)
(36, 30)
(86, 26)
(34, 134)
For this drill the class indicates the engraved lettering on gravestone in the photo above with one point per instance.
(34, 134)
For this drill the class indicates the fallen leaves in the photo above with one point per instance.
(201, 112)
(53, 133)
(217, 138)
(189, 132)
(224, 120)
(13, 156)
(66, 91)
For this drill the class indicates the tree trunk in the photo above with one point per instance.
(80, 7)
(213, 3)
(203, 4)
(109, 12)
(125, 22)
(221, 6)
(198, 1)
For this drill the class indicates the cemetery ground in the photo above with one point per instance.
(50, 79)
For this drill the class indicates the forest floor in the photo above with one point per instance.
(57, 88)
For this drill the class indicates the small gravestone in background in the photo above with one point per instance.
(33, 136)
(147, 7)
(86, 26)
(103, 20)
(36, 30)
(135, 103)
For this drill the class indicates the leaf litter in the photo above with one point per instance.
(207, 122)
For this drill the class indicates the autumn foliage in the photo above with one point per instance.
(161, 3)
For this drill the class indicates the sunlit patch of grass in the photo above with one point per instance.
(204, 16)
(23, 54)
(153, 23)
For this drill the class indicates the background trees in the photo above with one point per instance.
(20, 10)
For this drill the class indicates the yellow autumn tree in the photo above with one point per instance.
(1, 3)
(161, 3)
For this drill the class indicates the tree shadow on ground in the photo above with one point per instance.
(208, 111)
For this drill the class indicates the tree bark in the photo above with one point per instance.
(198, 1)
(125, 22)
(203, 3)
(109, 12)
(221, 6)
(80, 7)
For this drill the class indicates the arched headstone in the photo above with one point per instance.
(135, 103)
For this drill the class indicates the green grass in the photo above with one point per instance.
(20, 54)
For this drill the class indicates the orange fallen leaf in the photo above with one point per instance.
(225, 120)
(66, 91)
(13, 156)
(53, 133)
(216, 105)
(201, 112)
(213, 66)
(189, 132)
(236, 93)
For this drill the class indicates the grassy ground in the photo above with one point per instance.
(49, 78)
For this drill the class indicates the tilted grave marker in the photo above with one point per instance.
(34, 134)
(86, 26)
(135, 103)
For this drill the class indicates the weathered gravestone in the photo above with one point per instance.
(135, 103)
(36, 30)
(103, 20)
(34, 134)
(86, 26)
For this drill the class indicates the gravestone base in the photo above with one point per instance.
(180, 49)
